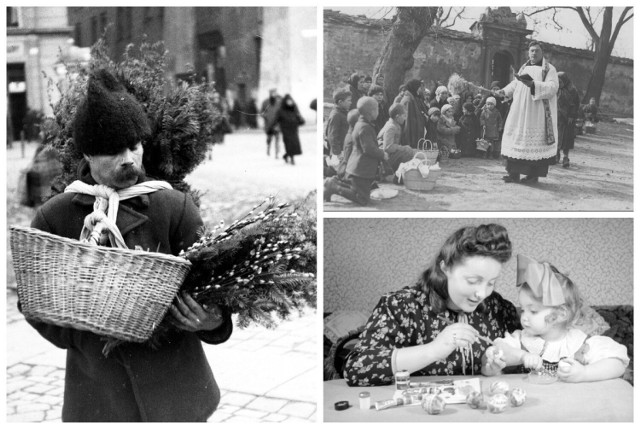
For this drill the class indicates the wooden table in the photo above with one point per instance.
(609, 400)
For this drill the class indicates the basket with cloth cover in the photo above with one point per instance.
(417, 174)
(113, 291)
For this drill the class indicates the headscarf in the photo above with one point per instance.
(413, 85)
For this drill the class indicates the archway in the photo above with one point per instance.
(501, 64)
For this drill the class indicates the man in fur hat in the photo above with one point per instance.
(134, 382)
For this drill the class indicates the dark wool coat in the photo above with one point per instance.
(135, 382)
(365, 156)
(414, 125)
(290, 119)
(336, 131)
(568, 106)
(470, 130)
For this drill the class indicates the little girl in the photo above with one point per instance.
(550, 305)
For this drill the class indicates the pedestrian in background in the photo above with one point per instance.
(269, 110)
(290, 119)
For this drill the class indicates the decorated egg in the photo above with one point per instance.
(517, 397)
(499, 387)
(433, 403)
(497, 403)
(475, 400)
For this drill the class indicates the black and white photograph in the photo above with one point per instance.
(478, 108)
(161, 214)
(478, 320)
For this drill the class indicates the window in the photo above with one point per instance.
(120, 24)
(94, 29)
(77, 34)
(103, 22)
(12, 17)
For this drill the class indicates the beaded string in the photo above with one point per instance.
(467, 351)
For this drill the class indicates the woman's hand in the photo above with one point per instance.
(532, 361)
(190, 316)
(457, 335)
(570, 370)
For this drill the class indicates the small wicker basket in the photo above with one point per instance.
(430, 149)
(414, 181)
(120, 293)
(483, 145)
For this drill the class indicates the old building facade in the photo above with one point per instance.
(35, 38)
(244, 50)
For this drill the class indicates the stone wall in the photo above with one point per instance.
(353, 43)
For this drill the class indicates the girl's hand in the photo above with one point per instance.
(457, 335)
(494, 362)
(188, 315)
(532, 361)
(570, 370)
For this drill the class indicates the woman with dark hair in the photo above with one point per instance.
(290, 119)
(416, 122)
(436, 327)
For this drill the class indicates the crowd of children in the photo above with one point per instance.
(454, 123)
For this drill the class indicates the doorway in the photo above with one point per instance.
(17, 92)
(501, 64)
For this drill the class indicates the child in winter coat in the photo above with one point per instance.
(389, 138)
(469, 130)
(362, 165)
(491, 122)
(447, 129)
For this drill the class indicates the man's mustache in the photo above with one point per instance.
(129, 172)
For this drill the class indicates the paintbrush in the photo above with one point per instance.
(450, 322)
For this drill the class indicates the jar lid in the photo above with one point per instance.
(403, 373)
(341, 405)
(364, 394)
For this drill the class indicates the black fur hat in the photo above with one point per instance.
(109, 119)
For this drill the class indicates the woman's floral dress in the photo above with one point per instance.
(404, 318)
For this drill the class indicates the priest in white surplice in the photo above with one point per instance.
(530, 139)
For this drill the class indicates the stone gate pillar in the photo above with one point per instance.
(503, 36)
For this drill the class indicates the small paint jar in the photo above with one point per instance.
(402, 379)
(365, 400)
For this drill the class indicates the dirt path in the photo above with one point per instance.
(600, 178)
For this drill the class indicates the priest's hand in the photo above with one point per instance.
(188, 315)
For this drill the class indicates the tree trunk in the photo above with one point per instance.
(409, 27)
(604, 47)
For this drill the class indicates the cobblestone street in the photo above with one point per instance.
(264, 375)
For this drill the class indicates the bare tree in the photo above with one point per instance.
(603, 41)
(408, 28)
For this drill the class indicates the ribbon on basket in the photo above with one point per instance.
(105, 208)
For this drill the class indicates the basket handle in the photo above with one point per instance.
(420, 155)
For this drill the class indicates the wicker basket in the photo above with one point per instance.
(482, 145)
(414, 181)
(430, 149)
(119, 293)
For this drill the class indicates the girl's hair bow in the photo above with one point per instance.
(543, 282)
